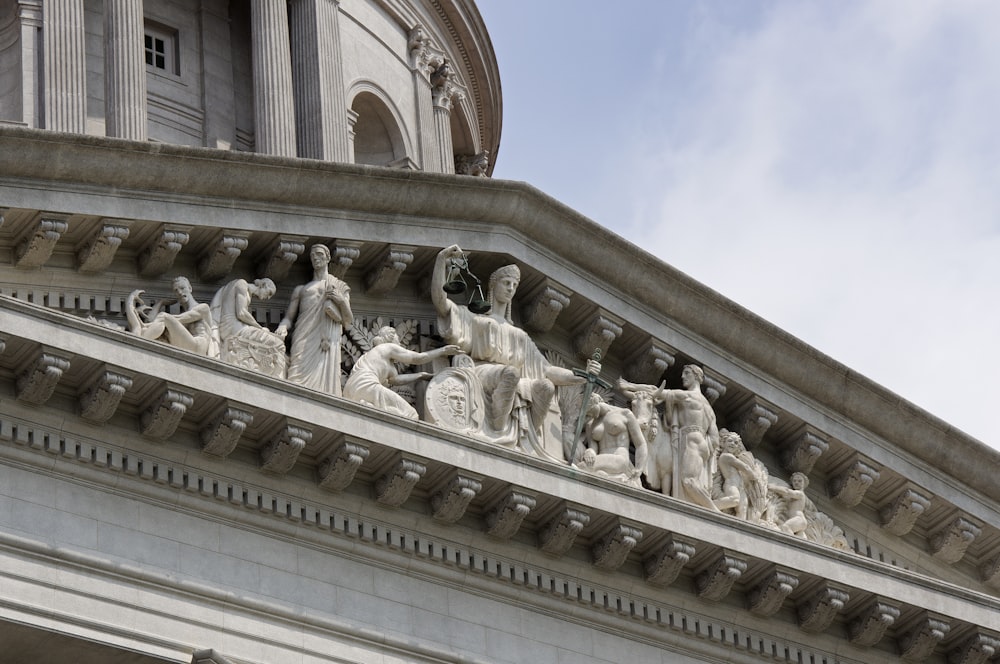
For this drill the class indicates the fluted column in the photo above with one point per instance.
(318, 79)
(445, 94)
(65, 66)
(124, 70)
(274, 111)
(425, 58)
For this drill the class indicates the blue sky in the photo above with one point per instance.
(832, 166)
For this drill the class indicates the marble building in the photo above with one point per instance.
(285, 376)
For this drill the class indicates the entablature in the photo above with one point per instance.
(869, 469)
(299, 455)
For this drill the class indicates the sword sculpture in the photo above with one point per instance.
(588, 389)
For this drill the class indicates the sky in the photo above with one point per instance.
(832, 166)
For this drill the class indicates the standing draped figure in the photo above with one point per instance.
(319, 311)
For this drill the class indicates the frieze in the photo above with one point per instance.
(492, 383)
(917, 640)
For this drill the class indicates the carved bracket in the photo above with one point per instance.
(600, 333)
(663, 566)
(848, 487)
(753, 420)
(337, 470)
(769, 594)
(541, 309)
(343, 253)
(100, 399)
(219, 258)
(648, 364)
(162, 414)
(560, 532)
(221, 435)
(800, 451)
(280, 256)
(714, 385)
(922, 636)
(393, 487)
(450, 501)
(978, 648)
(95, 254)
(717, 579)
(950, 542)
(281, 453)
(37, 380)
(504, 518)
(816, 612)
(382, 278)
(990, 571)
(35, 247)
(899, 515)
(611, 549)
(159, 254)
(870, 625)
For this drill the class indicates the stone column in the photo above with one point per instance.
(65, 66)
(29, 15)
(318, 79)
(424, 59)
(274, 112)
(124, 70)
(446, 93)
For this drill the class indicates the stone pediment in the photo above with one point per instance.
(920, 527)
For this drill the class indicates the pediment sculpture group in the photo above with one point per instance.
(493, 384)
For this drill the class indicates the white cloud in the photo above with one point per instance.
(835, 168)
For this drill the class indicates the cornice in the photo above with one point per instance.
(35, 161)
(614, 511)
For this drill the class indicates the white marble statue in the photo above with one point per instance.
(454, 398)
(192, 329)
(741, 479)
(608, 433)
(319, 312)
(682, 461)
(375, 373)
(242, 340)
(513, 376)
(793, 521)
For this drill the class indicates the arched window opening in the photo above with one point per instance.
(377, 138)
(469, 159)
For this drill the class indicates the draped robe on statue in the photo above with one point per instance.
(315, 356)
(368, 385)
(494, 345)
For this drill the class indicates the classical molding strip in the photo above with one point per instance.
(816, 612)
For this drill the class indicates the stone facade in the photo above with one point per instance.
(161, 501)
